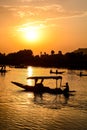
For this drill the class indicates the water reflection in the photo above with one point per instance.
(2, 73)
(51, 101)
(24, 110)
(38, 97)
(30, 73)
(55, 102)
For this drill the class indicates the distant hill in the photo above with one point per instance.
(84, 50)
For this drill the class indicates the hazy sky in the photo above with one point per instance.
(43, 25)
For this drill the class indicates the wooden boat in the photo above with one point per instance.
(56, 72)
(39, 88)
(81, 74)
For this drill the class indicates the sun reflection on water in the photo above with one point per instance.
(30, 95)
(30, 73)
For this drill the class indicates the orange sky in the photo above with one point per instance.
(43, 25)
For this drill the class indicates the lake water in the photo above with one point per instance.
(21, 110)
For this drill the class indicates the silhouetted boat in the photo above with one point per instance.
(81, 74)
(39, 88)
(56, 72)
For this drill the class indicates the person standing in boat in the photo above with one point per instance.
(66, 88)
(56, 71)
(81, 73)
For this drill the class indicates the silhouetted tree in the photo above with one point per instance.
(60, 52)
(73, 60)
(52, 52)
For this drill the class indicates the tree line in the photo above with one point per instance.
(26, 57)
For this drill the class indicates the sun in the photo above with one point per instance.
(29, 33)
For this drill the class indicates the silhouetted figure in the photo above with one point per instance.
(56, 71)
(66, 88)
(80, 73)
(39, 86)
(50, 71)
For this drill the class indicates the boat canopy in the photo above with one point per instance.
(36, 78)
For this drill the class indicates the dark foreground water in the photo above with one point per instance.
(20, 110)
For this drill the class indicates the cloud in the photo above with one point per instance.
(44, 12)
(21, 14)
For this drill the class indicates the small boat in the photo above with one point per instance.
(56, 72)
(81, 74)
(39, 88)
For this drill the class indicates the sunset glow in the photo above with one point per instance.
(43, 25)
(29, 33)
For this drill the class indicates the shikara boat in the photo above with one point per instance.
(56, 72)
(39, 88)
